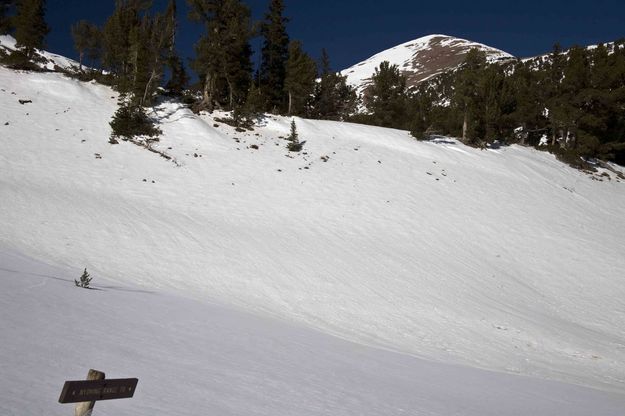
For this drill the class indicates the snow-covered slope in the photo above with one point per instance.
(47, 60)
(420, 59)
(503, 259)
(192, 358)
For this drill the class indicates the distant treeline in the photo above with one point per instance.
(572, 103)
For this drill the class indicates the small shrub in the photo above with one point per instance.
(84, 281)
(294, 144)
(131, 121)
(295, 147)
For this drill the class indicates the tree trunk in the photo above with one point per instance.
(290, 103)
(147, 87)
(230, 93)
(81, 55)
(465, 126)
(207, 100)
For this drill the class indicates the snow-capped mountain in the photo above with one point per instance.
(420, 59)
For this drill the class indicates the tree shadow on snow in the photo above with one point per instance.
(62, 279)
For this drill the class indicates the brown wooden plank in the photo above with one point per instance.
(95, 390)
(86, 408)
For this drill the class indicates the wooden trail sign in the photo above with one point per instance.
(96, 388)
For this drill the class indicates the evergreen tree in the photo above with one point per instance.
(87, 40)
(575, 102)
(255, 102)
(386, 98)
(237, 64)
(179, 79)
(150, 50)
(467, 97)
(84, 281)
(131, 121)
(223, 54)
(299, 84)
(137, 48)
(274, 56)
(420, 107)
(294, 143)
(614, 135)
(498, 103)
(30, 25)
(554, 72)
(116, 33)
(529, 104)
(5, 19)
(334, 99)
(171, 24)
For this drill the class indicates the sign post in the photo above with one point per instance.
(96, 388)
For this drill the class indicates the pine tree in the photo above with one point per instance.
(237, 64)
(334, 99)
(299, 84)
(171, 24)
(30, 25)
(498, 103)
(529, 104)
(420, 107)
(467, 96)
(129, 121)
(255, 102)
(179, 79)
(137, 46)
(274, 56)
(223, 54)
(84, 281)
(86, 40)
(572, 103)
(116, 40)
(294, 143)
(554, 72)
(386, 98)
(5, 18)
(150, 49)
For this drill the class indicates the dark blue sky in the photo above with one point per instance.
(353, 30)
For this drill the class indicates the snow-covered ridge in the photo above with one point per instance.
(565, 52)
(49, 61)
(421, 59)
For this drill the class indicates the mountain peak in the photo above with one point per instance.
(421, 59)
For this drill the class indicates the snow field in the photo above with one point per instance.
(194, 358)
(504, 260)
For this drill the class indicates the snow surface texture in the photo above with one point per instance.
(193, 358)
(420, 59)
(503, 259)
